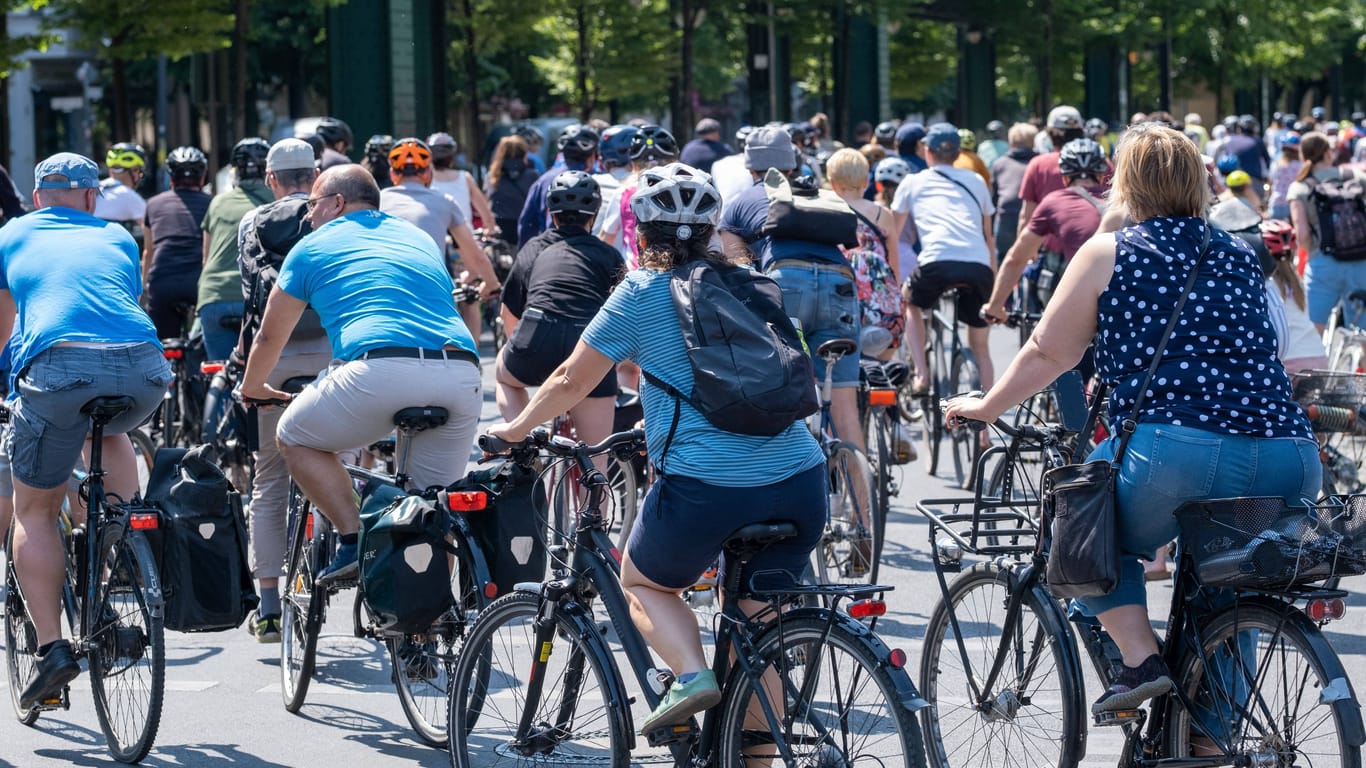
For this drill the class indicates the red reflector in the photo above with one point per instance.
(864, 609)
(466, 501)
(214, 367)
(308, 527)
(173, 354)
(1322, 609)
(882, 397)
(490, 590)
(143, 521)
(897, 658)
(616, 555)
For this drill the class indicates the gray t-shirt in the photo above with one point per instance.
(1300, 191)
(430, 210)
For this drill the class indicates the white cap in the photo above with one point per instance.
(290, 155)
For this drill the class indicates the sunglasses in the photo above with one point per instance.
(312, 202)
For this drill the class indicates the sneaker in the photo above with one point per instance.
(683, 700)
(1135, 685)
(345, 565)
(266, 629)
(51, 674)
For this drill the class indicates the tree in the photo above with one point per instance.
(14, 46)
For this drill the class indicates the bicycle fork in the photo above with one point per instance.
(540, 738)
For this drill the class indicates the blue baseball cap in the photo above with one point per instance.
(80, 172)
(941, 136)
(906, 137)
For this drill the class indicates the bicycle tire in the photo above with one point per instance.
(964, 377)
(1277, 629)
(127, 645)
(932, 419)
(843, 678)
(960, 734)
(300, 605)
(845, 551)
(881, 425)
(492, 668)
(625, 490)
(21, 639)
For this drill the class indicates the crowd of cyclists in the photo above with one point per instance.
(310, 265)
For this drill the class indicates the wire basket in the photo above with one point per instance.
(1330, 388)
(1261, 543)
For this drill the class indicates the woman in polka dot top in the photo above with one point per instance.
(1217, 421)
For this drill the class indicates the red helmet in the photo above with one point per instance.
(1279, 237)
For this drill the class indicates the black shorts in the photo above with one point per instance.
(539, 345)
(974, 282)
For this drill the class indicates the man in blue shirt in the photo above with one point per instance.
(382, 292)
(77, 339)
(578, 145)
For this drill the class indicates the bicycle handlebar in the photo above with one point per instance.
(1024, 431)
(1018, 317)
(632, 440)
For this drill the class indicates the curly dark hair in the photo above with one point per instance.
(661, 249)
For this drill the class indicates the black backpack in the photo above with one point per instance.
(751, 373)
(511, 532)
(279, 227)
(1342, 217)
(405, 573)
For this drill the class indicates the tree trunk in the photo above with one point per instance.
(123, 122)
(683, 120)
(475, 145)
(1046, 61)
(239, 50)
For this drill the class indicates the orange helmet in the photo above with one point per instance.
(410, 157)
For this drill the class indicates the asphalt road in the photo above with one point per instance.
(223, 707)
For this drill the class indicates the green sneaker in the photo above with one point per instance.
(266, 629)
(683, 700)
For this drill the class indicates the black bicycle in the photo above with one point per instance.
(951, 368)
(537, 683)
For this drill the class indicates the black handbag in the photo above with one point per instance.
(1079, 499)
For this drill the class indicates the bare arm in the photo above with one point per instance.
(475, 258)
(569, 384)
(1026, 211)
(991, 241)
(736, 249)
(1024, 251)
(281, 315)
(893, 241)
(480, 203)
(1299, 218)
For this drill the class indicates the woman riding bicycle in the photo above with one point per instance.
(1218, 420)
(717, 481)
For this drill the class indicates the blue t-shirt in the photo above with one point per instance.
(1220, 371)
(638, 323)
(744, 215)
(375, 281)
(74, 277)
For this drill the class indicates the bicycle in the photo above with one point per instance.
(950, 368)
(421, 662)
(113, 604)
(1002, 666)
(883, 434)
(571, 706)
(178, 422)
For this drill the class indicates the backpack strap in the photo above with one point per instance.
(963, 187)
(871, 226)
(678, 397)
(1081, 192)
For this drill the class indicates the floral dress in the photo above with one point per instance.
(878, 294)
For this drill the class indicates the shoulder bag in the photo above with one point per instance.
(1079, 499)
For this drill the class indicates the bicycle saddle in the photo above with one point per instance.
(837, 348)
(107, 407)
(421, 417)
(295, 384)
(1357, 297)
(756, 536)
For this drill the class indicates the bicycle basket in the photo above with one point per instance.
(1330, 388)
(1261, 543)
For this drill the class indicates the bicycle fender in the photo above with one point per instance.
(481, 565)
(156, 600)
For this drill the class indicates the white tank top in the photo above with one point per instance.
(458, 188)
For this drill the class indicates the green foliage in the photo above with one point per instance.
(13, 46)
(133, 30)
(627, 56)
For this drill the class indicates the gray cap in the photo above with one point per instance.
(769, 146)
(707, 125)
(1064, 117)
(80, 172)
(290, 155)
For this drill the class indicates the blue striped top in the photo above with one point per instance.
(638, 323)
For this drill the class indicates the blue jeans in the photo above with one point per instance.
(218, 340)
(1327, 282)
(824, 300)
(1167, 466)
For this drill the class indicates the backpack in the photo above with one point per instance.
(879, 296)
(278, 227)
(751, 374)
(202, 543)
(1342, 217)
(405, 574)
(798, 212)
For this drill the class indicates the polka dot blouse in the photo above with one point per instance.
(1220, 371)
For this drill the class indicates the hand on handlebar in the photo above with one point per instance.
(966, 408)
(263, 395)
(996, 315)
(504, 431)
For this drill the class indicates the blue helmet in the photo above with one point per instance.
(1227, 163)
(615, 148)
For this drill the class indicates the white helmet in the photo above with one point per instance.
(892, 169)
(676, 194)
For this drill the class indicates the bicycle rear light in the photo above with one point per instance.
(1326, 609)
(147, 521)
(865, 609)
(897, 658)
(467, 501)
(211, 368)
(308, 527)
(173, 354)
(882, 397)
(490, 590)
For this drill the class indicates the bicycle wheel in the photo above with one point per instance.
(840, 707)
(1274, 693)
(1033, 715)
(622, 476)
(127, 645)
(21, 641)
(932, 419)
(301, 607)
(881, 426)
(577, 719)
(845, 551)
(964, 377)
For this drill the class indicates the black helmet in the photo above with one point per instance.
(885, 133)
(615, 148)
(530, 134)
(249, 158)
(187, 163)
(653, 143)
(797, 131)
(995, 129)
(444, 148)
(377, 147)
(574, 191)
(333, 130)
(317, 143)
(577, 141)
(1082, 157)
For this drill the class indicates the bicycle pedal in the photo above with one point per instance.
(60, 701)
(673, 734)
(1117, 717)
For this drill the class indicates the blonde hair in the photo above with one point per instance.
(1159, 172)
(847, 169)
(1022, 135)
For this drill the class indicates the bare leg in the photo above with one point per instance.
(593, 423)
(978, 339)
(915, 339)
(120, 466)
(664, 620)
(323, 479)
(1129, 627)
(510, 393)
(38, 558)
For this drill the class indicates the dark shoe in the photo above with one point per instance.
(266, 629)
(345, 565)
(51, 674)
(1135, 685)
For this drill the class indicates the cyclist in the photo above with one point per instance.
(376, 159)
(1327, 280)
(119, 199)
(707, 148)
(459, 184)
(175, 242)
(968, 158)
(1007, 175)
(382, 292)
(534, 141)
(650, 146)
(996, 144)
(717, 480)
(729, 174)
(1042, 175)
(1219, 421)
(337, 140)
(264, 238)
(11, 205)
(1283, 172)
(578, 145)
(77, 339)
(552, 293)
(511, 174)
(220, 282)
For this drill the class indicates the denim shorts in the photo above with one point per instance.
(824, 300)
(47, 429)
(1328, 281)
(1166, 466)
(683, 522)
(218, 340)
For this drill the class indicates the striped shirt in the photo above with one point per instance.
(638, 323)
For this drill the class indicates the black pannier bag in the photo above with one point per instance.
(405, 569)
(511, 531)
